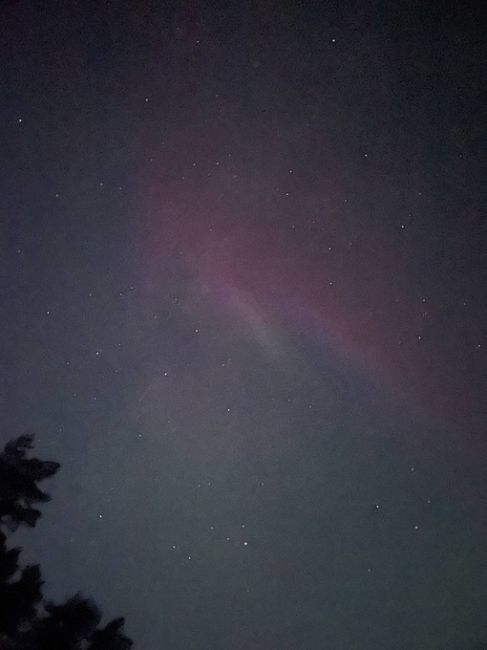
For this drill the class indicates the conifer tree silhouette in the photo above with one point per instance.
(27, 621)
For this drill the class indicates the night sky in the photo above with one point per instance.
(243, 282)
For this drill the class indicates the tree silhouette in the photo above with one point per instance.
(18, 483)
(27, 620)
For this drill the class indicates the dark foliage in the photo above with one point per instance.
(18, 483)
(110, 638)
(27, 621)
